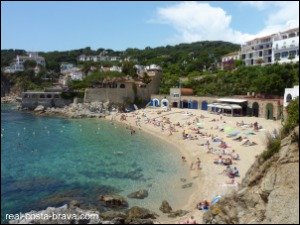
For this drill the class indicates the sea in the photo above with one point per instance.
(49, 161)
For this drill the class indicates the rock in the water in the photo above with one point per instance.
(165, 207)
(187, 185)
(141, 194)
(178, 213)
(110, 215)
(74, 204)
(183, 180)
(114, 200)
(39, 108)
(139, 213)
(141, 221)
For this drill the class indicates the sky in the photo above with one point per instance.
(50, 26)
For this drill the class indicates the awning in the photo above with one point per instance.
(224, 106)
(231, 100)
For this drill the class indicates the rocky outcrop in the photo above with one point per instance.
(72, 214)
(114, 201)
(78, 110)
(138, 214)
(165, 207)
(140, 194)
(269, 193)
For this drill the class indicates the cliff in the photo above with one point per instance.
(269, 193)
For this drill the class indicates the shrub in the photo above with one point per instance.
(292, 118)
(273, 146)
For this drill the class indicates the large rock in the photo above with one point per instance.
(114, 200)
(110, 215)
(136, 213)
(178, 213)
(165, 207)
(140, 194)
(39, 108)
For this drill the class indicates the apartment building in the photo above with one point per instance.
(286, 46)
(257, 51)
(281, 47)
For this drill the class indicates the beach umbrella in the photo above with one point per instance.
(215, 199)
(200, 124)
(227, 130)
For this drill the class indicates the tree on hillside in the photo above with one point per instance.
(30, 64)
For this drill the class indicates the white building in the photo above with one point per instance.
(290, 94)
(66, 67)
(116, 69)
(82, 58)
(286, 46)
(13, 68)
(31, 56)
(229, 59)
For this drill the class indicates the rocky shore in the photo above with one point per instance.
(9, 99)
(73, 214)
(77, 110)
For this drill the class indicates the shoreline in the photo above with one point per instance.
(207, 176)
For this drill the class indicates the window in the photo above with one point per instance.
(284, 54)
(33, 96)
(122, 85)
(49, 96)
(42, 96)
(56, 96)
(26, 96)
(175, 95)
(260, 53)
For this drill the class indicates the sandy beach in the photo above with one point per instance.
(209, 180)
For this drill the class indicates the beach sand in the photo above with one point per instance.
(208, 181)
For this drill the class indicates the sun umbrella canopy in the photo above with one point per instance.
(228, 130)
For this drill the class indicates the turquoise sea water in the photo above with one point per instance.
(47, 161)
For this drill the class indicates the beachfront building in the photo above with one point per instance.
(241, 105)
(228, 61)
(286, 46)
(66, 67)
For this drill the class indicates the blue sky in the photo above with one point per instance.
(48, 26)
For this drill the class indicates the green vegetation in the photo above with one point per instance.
(270, 80)
(293, 117)
(93, 79)
(72, 95)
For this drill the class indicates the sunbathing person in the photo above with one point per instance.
(219, 160)
(234, 155)
(203, 205)
(227, 161)
(234, 173)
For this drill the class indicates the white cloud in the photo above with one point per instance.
(196, 21)
(284, 15)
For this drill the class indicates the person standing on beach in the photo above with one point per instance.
(198, 163)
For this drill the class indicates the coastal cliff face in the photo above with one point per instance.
(269, 193)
